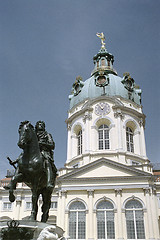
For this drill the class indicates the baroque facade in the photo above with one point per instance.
(107, 189)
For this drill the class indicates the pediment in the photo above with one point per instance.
(103, 168)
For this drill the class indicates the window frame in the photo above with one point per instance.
(8, 203)
(77, 211)
(79, 142)
(104, 142)
(129, 139)
(135, 229)
(105, 210)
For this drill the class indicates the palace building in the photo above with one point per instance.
(108, 188)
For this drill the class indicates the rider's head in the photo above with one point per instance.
(40, 126)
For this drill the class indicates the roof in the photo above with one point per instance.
(115, 87)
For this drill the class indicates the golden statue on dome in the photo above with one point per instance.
(102, 37)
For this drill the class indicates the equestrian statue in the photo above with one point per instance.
(35, 166)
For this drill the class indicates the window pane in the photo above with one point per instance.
(101, 225)
(79, 142)
(77, 205)
(105, 205)
(130, 225)
(100, 145)
(103, 134)
(81, 225)
(110, 225)
(140, 225)
(129, 139)
(72, 225)
(133, 204)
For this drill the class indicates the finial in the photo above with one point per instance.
(102, 37)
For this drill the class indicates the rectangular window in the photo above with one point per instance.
(28, 205)
(7, 206)
(79, 142)
(54, 205)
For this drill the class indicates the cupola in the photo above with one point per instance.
(103, 60)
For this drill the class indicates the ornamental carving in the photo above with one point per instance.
(77, 86)
(147, 190)
(118, 113)
(118, 191)
(87, 116)
(128, 82)
(90, 192)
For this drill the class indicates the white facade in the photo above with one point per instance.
(107, 189)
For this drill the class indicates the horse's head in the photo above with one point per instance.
(26, 131)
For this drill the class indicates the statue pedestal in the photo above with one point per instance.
(28, 230)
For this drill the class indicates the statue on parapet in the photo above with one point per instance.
(35, 166)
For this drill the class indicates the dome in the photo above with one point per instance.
(104, 81)
(114, 86)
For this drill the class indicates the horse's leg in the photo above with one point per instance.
(18, 177)
(46, 196)
(35, 196)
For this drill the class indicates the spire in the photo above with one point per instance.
(103, 60)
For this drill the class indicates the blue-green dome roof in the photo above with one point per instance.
(116, 86)
(104, 81)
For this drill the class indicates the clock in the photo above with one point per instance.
(102, 108)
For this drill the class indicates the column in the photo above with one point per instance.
(86, 139)
(155, 215)
(119, 220)
(94, 138)
(118, 114)
(69, 144)
(64, 195)
(18, 206)
(61, 208)
(147, 192)
(142, 138)
(90, 226)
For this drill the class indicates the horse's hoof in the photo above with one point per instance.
(11, 197)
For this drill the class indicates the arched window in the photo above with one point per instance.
(103, 135)
(129, 139)
(79, 142)
(77, 220)
(105, 220)
(134, 220)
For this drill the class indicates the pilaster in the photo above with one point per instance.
(90, 216)
(119, 221)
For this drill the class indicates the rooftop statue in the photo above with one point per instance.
(35, 166)
(102, 37)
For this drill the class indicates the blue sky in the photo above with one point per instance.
(46, 44)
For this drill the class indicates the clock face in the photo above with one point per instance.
(102, 108)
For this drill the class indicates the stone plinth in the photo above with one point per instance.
(27, 230)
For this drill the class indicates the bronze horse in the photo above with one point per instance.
(31, 171)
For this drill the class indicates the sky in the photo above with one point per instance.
(46, 44)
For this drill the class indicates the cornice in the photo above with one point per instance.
(105, 179)
(129, 110)
(77, 114)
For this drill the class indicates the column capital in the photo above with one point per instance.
(87, 116)
(147, 190)
(90, 192)
(118, 191)
(119, 114)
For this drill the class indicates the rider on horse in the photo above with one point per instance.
(46, 145)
